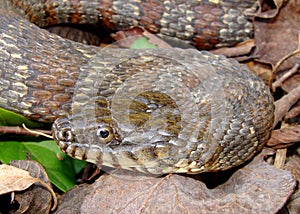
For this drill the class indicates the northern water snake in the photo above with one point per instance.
(155, 111)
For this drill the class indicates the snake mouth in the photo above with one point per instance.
(64, 137)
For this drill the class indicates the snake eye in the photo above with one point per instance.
(105, 134)
(66, 135)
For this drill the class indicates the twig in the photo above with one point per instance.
(280, 156)
(287, 75)
(285, 58)
(37, 132)
(283, 105)
(236, 51)
(24, 131)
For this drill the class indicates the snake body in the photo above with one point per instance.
(155, 111)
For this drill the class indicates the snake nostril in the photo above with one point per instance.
(65, 135)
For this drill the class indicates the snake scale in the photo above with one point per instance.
(155, 111)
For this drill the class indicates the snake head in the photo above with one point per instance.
(102, 144)
(83, 142)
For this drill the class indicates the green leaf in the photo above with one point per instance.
(142, 43)
(9, 118)
(61, 172)
(78, 165)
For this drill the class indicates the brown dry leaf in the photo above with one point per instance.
(293, 205)
(293, 164)
(283, 136)
(262, 70)
(71, 201)
(285, 103)
(268, 9)
(36, 198)
(287, 80)
(293, 113)
(34, 168)
(14, 179)
(277, 37)
(239, 52)
(256, 188)
(291, 83)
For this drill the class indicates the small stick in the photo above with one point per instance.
(287, 75)
(37, 132)
(23, 131)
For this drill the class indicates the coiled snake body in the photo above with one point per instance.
(155, 111)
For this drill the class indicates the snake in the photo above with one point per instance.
(155, 111)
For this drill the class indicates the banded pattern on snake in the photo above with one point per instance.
(156, 111)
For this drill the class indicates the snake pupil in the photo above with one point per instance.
(104, 133)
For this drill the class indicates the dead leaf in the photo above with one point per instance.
(285, 103)
(293, 164)
(277, 37)
(268, 9)
(238, 52)
(293, 205)
(285, 81)
(293, 113)
(291, 83)
(283, 137)
(71, 201)
(264, 71)
(14, 179)
(34, 199)
(256, 188)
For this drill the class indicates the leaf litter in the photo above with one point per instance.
(30, 184)
(257, 188)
